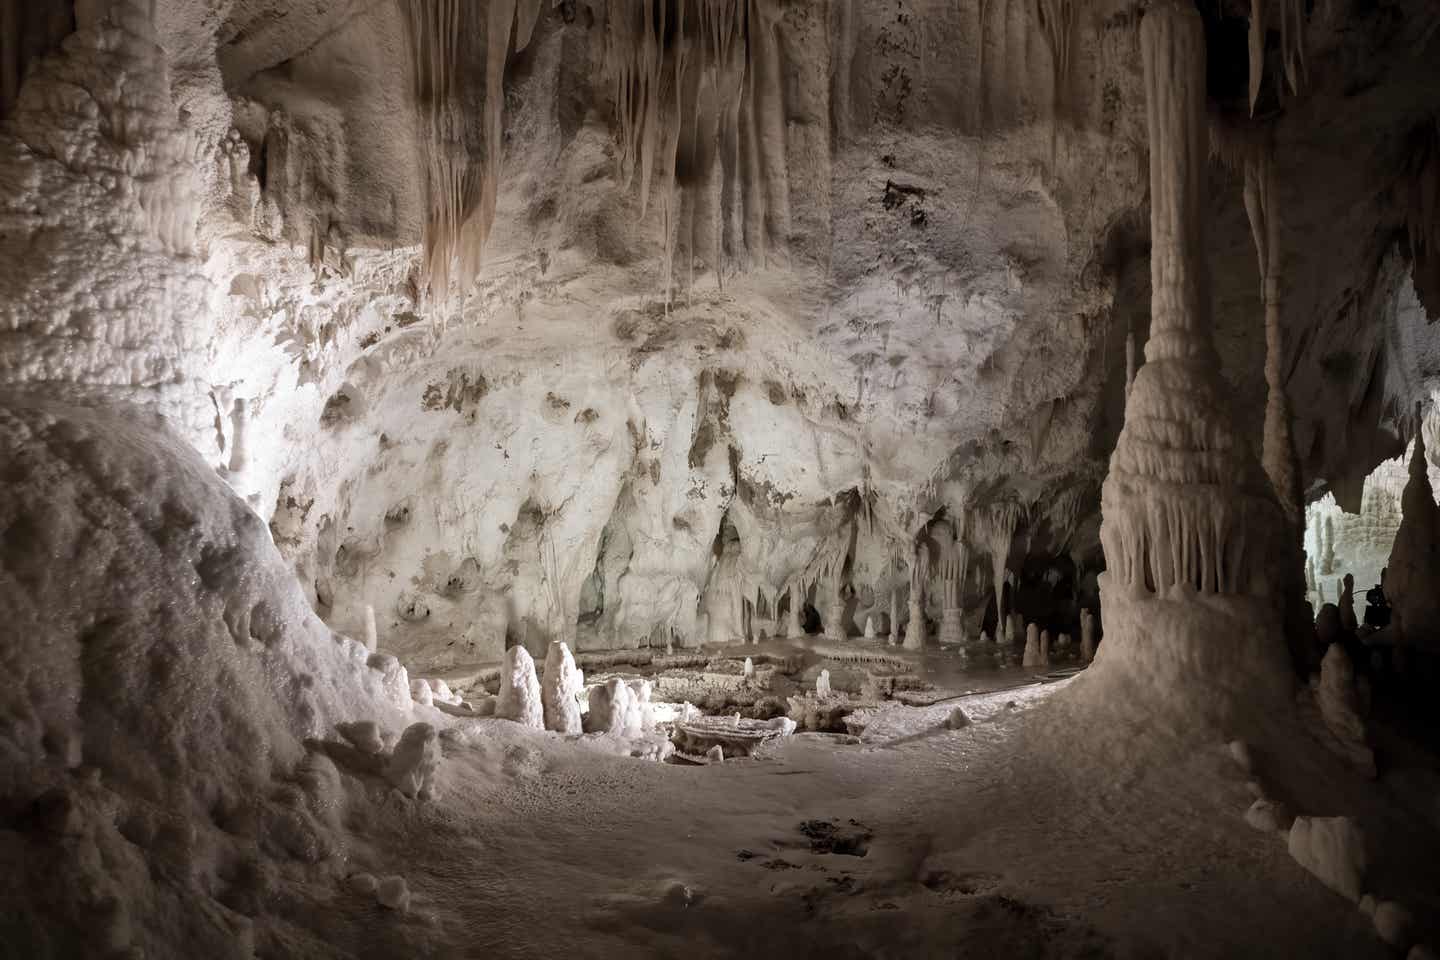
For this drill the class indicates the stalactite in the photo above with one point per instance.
(994, 529)
(1057, 20)
(462, 163)
(699, 79)
(1292, 44)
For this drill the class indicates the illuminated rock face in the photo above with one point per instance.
(1189, 518)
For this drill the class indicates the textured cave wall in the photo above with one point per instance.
(906, 299)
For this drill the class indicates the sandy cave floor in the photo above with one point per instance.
(994, 840)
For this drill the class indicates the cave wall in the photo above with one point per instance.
(905, 295)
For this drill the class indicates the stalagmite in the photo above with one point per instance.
(869, 628)
(412, 765)
(1186, 507)
(520, 698)
(1341, 709)
(1044, 658)
(639, 712)
(895, 617)
(1333, 849)
(1087, 635)
(919, 574)
(822, 686)
(1031, 657)
(560, 690)
(749, 672)
(239, 437)
(372, 641)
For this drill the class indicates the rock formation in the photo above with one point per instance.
(919, 577)
(612, 708)
(1341, 709)
(372, 641)
(952, 579)
(1032, 656)
(413, 763)
(520, 698)
(560, 690)
(1189, 518)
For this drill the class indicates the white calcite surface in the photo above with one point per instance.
(560, 690)
(521, 698)
(413, 762)
(611, 708)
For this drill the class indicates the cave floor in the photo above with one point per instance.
(1012, 837)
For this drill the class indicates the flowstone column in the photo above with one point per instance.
(919, 575)
(952, 579)
(1277, 454)
(1189, 518)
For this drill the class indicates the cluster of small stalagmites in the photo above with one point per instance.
(1037, 647)
(620, 708)
(1333, 849)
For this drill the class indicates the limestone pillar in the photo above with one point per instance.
(1186, 507)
